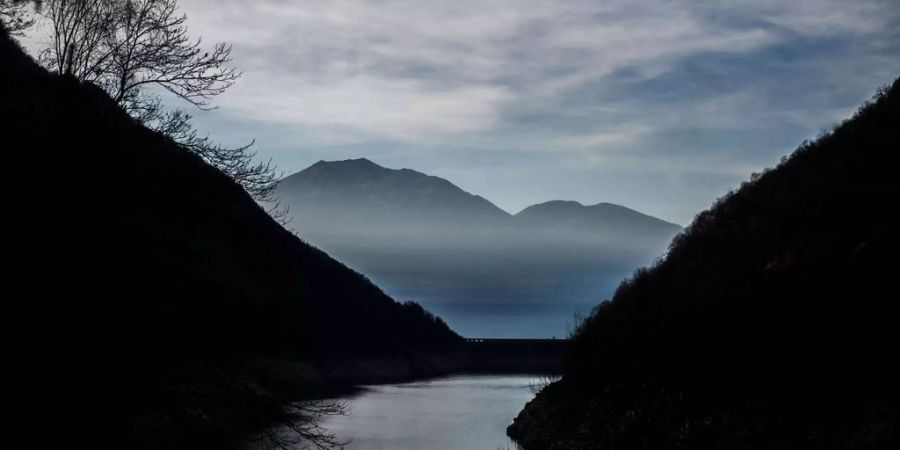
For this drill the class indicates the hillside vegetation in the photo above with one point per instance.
(771, 323)
(147, 282)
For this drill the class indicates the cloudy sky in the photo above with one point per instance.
(659, 105)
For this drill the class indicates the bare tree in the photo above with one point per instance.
(258, 178)
(301, 428)
(540, 383)
(79, 30)
(127, 46)
(14, 17)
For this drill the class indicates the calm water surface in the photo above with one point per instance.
(459, 412)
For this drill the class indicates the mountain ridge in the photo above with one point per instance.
(365, 185)
(364, 170)
(425, 238)
(593, 206)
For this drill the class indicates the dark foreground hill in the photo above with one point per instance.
(772, 323)
(148, 288)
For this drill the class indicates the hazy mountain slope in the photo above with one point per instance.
(143, 278)
(772, 322)
(358, 196)
(604, 223)
(487, 272)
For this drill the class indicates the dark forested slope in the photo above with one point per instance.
(771, 323)
(142, 277)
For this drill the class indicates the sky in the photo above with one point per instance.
(658, 105)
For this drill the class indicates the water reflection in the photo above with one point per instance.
(459, 412)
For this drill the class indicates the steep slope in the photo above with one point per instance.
(771, 323)
(146, 280)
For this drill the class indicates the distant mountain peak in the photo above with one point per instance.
(350, 161)
(553, 205)
(355, 162)
(359, 164)
(357, 198)
(348, 171)
(603, 222)
(333, 195)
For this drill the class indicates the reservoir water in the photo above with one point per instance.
(459, 412)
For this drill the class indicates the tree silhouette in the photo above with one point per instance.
(181, 310)
(127, 46)
(300, 427)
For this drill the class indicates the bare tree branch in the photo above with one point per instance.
(301, 427)
(125, 46)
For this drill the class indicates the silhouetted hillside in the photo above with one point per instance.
(487, 272)
(145, 280)
(772, 323)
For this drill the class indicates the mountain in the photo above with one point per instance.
(152, 292)
(358, 197)
(770, 323)
(423, 238)
(361, 182)
(601, 223)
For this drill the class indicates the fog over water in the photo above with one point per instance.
(481, 294)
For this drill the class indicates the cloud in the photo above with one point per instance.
(369, 106)
(379, 67)
(580, 94)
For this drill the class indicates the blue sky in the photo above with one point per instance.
(659, 105)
